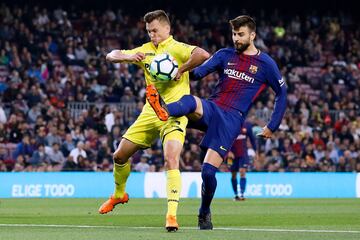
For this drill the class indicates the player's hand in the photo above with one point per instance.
(137, 57)
(178, 75)
(265, 133)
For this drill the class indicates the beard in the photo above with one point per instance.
(241, 47)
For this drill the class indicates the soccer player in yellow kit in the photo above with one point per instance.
(148, 127)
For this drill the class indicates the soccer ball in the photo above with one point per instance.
(163, 67)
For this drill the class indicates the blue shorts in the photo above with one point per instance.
(221, 127)
(240, 162)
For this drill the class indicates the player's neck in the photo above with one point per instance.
(251, 50)
(161, 41)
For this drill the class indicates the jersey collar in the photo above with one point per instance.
(166, 41)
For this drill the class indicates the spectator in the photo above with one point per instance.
(142, 166)
(24, 148)
(40, 158)
(3, 118)
(53, 137)
(68, 145)
(56, 157)
(79, 150)
(42, 72)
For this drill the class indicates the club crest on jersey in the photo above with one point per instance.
(253, 69)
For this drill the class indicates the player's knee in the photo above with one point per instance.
(207, 173)
(171, 161)
(199, 109)
(118, 158)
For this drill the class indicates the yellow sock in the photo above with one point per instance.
(121, 174)
(173, 190)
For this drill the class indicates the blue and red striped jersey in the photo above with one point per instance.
(242, 79)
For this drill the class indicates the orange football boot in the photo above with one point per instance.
(157, 103)
(171, 224)
(109, 205)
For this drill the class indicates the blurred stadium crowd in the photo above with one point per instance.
(64, 108)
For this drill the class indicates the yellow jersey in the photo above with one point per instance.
(170, 91)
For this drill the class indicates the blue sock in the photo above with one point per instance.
(242, 185)
(186, 105)
(234, 185)
(208, 187)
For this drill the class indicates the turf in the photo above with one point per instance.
(144, 219)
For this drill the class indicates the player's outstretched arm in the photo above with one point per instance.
(209, 66)
(278, 113)
(277, 83)
(197, 57)
(116, 56)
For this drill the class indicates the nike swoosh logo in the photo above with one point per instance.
(222, 148)
(231, 64)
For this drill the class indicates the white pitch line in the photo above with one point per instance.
(189, 228)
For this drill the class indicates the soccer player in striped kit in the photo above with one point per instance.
(244, 72)
(240, 162)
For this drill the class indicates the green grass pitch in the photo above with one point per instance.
(144, 219)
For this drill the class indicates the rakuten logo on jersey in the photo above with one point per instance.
(232, 73)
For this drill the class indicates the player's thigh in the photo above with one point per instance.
(144, 130)
(213, 158)
(174, 129)
(219, 138)
(202, 121)
(125, 150)
(244, 163)
(173, 136)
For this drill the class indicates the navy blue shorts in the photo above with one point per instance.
(221, 127)
(240, 162)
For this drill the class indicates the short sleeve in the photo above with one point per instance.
(185, 51)
(133, 51)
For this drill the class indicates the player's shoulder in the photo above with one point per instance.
(225, 51)
(179, 44)
(267, 58)
(146, 46)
